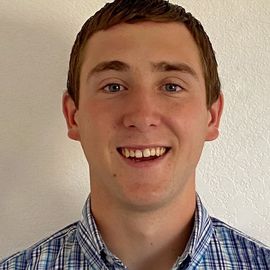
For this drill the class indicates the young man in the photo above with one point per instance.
(143, 97)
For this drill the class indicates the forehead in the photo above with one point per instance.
(142, 43)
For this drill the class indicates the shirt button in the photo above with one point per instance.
(109, 259)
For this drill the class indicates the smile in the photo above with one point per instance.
(145, 154)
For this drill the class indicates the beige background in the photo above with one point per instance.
(43, 175)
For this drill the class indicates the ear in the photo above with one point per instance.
(215, 113)
(70, 112)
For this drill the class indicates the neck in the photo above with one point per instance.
(146, 240)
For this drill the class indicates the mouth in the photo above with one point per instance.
(143, 154)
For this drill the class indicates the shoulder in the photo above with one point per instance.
(238, 246)
(43, 251)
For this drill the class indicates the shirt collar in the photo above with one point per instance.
(91, 242)
(87, 235)
(200, 237)
(90, 239)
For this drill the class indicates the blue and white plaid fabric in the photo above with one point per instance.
(212, 245)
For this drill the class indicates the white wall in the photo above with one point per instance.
(43, 175)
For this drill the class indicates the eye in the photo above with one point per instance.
(113, 88)
(172, 87)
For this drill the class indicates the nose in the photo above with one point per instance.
(141, 111)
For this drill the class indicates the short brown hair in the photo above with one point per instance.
(127, 11)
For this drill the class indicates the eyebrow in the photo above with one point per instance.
(109, 65)
(158, 67)
(182, 67)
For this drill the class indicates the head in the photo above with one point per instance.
(143, 97)
(124, 11)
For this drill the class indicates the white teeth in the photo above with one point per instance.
(147, 152)
(162, 151)
(138, 154)
(126, 153)
(132, 153)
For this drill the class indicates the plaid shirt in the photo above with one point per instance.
(212, 245)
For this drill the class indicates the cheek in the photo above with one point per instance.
(93, 116)
(188, 120)
(97, 126)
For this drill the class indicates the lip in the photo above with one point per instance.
(143, 164)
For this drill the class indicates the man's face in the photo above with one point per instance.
(142, 93)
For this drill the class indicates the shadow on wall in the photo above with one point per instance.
(35, 188)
